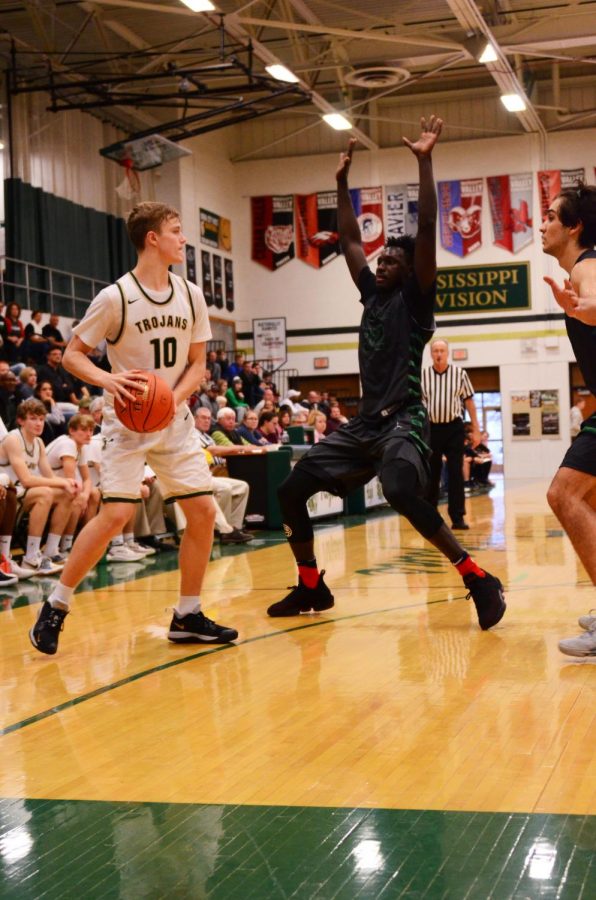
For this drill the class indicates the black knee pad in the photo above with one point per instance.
(404, 493)
(293, 495)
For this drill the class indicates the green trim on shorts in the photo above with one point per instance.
(186, 496)
(121, 499)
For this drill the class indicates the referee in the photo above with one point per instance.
(446, 390)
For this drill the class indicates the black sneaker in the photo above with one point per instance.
(195, 628)
(488, 597)
(303, 599)
(46, 631)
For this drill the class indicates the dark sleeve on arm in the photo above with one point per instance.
(366, 284)
(421, 304)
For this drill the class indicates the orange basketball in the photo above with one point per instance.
(152, 410)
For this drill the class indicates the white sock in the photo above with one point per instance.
(52, 546)
(61, 596)
(187, 605)
(129, 537)
(118, 541)
(5, 540)
(33, 545)
(66, 543)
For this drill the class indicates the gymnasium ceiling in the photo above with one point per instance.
(157, 66)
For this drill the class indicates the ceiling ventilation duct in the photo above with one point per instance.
(377, 77)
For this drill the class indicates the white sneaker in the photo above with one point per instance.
(47, 566)
(7, 580)
(582, 645)
(32, 563)
(123, 553)
(587, 622)
(21, 573)
(40, 565)
(140, 548)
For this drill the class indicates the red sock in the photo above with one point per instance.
(309, 573)
(467, 566)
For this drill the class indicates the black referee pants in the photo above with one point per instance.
(448, 440)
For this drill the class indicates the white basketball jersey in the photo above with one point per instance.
(146, 330)
(31, 456)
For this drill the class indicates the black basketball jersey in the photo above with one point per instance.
(583, 339)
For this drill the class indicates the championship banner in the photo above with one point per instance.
(368, 206)
(206, 273)
(460, 209)
(511, 210)
(401, 209)
(272, 230)
(229, 284)
(552, 181)
(217, 282)
(317, 241)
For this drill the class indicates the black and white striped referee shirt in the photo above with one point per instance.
(443, 393)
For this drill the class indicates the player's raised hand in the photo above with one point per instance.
(345, 161)
(429, 135)
(565, 296)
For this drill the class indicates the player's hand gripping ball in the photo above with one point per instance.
(152, 409)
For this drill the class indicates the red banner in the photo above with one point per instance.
(316, 226)
(368, 206)
(272, 230)
(511, 210)
(552, 181)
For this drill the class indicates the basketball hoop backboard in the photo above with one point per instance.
(146, 152)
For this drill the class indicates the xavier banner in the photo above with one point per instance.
(272, 230)
(460, 211)
(317, 240)
(552, 181)
(368, 206)
(511, 210)
(401, 209)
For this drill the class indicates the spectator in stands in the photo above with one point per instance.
(8, 401)
(235, 398)
(15, 333)
(235, 369)
(314, 401)
(27, 383)
(251, 383)
(317, 420)
(208, 398)
(230, 494)
(300, 417)
(41, 494)
(249, 429)
(291, 400)
(96, 411)
(284, 420)
(335, 419)
(63, 384)
(223, 361)
(67, 456)
(213, 365)
(268, 401)
(268, 427)
(35, 346)
(225, 432)
(482, 462)
(52, 333)
(55, 423)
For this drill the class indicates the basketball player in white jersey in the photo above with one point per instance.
(154, 321)
(40, 492)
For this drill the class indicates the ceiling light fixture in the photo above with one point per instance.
(513, 102)
(488, 55)
(199, 5)
(337, 121)
(280, 73)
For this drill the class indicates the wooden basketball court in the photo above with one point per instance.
(389, 748)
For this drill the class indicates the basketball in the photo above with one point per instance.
(153, 408)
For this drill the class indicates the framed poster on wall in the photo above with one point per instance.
(223, 331)
(535, 415)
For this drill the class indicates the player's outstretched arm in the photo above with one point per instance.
(77, 362)
(578, 300)
(347, 224)
(425, 254)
